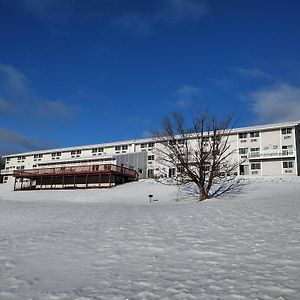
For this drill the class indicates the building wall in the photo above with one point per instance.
(261, 150)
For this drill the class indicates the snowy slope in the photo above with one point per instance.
(114, 244)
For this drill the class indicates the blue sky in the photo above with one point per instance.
(84, 72)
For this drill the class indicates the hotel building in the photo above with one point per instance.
(259, 150)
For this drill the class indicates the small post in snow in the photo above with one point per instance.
(150, 198)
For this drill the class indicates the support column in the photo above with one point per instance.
(99, 180)
(109, 180)
(74, 182)
(51, 182)
(22, 183)
(86, 181)
(15, 183)
(63, 181)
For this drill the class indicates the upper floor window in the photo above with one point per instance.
(53, 154)
(74, 152)
(243, 135)
(254, 134)
(7, 159)
(118, 148)
(243, 150)
(38, 156)
(95, 150)
(150, 157)
(287, 130)
(21, 157)
(143, 145)
(150, 145)
(125, 147)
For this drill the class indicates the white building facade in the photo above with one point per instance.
(259, 150)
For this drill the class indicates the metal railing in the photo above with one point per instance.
(270, 154)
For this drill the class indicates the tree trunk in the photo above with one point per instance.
(203, 194)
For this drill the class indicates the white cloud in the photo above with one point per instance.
(277, 103)
(187, 95)
(252, 73)
(13, 82)
(18, 100)
(55, 109)
(134, 24)
(185, 10)
(13, 142)
(169, 13)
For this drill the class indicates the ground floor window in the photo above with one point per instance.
(172, 172)
(150, 173)
(288, 164)
(255, 166)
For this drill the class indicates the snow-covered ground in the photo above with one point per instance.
(114, 244)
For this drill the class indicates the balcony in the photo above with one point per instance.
(267, 154)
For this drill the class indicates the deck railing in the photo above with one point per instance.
(77, 170)
(271, 154)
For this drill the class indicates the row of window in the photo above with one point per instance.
(245, 150)
(285, 164)
(255, 134)
(147, 145)
(244, 135)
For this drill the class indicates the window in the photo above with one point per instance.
(205, 139)
(288, 164)
(125, 147)
(38, 156)
(56, 154)
(150, 173)
(181, 142)
(117, 148)
(150, 157)
(243, 135)
(8, 159)
(286, 130)
(254, 134)
(21, 157)
(255, 166)
(75, 152)
(143, 145)
(243, 150)
(180, 169)
(150, 145)
(172, 172)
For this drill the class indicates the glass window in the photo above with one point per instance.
(254, 134)
(286, 130)
(288, 164)
(243, 135)
(255, 166)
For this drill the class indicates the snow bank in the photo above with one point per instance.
(114, 244)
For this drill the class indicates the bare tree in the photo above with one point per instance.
(201, 154)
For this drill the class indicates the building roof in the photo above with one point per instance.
(147, 140)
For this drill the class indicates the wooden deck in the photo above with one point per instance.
(90, 176)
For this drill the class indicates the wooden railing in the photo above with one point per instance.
(76, 170)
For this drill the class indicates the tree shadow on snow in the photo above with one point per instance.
(230, 187)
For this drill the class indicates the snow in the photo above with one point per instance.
(115, 244)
